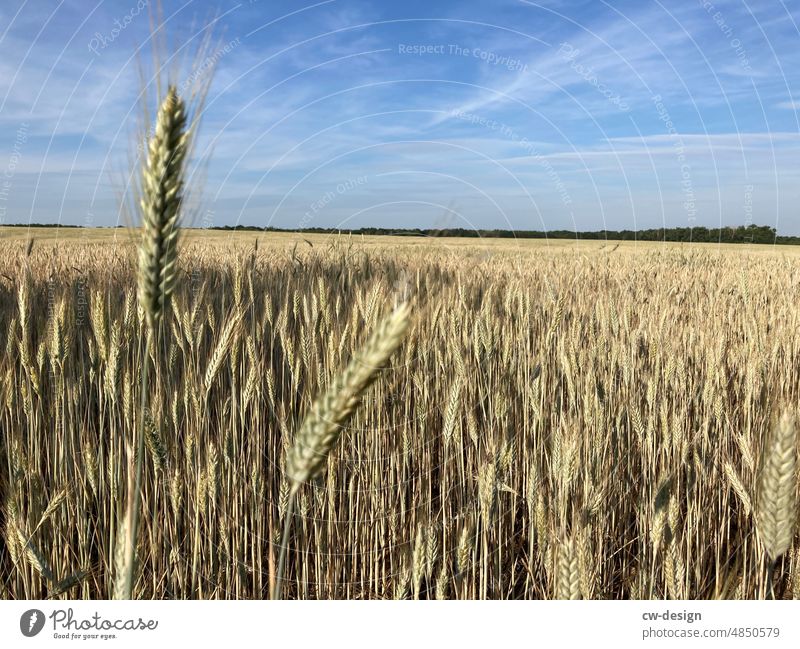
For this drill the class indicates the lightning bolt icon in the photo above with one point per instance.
(32, 621)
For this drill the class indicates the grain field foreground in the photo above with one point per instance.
(560, 421)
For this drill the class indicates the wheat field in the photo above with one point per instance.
(560, 420)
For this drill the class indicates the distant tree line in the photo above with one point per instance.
(735, 234)
(38, 225)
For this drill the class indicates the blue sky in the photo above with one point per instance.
(503, 113)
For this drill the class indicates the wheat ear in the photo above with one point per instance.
(328, 416)
(160, 204)
(777, 496)
(568, 577)
(162, 194)
(324, 423)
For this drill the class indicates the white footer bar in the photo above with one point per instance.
(149, 625)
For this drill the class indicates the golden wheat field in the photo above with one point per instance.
(560, 420)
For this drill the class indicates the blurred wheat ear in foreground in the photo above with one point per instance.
(160, 205)
(777, 496)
